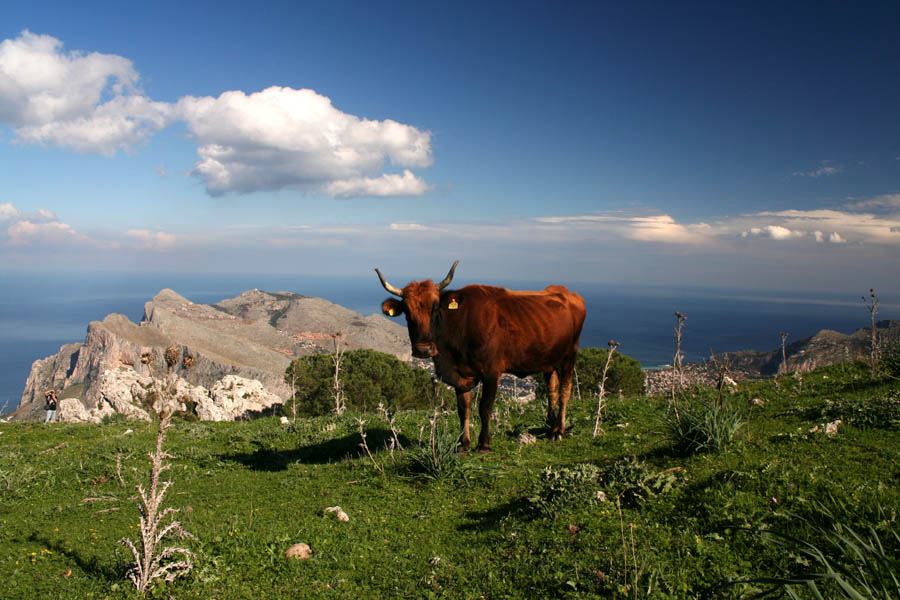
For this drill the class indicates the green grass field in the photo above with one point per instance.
(248, 491)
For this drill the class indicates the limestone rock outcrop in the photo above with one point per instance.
(124, 391)
(252, 337)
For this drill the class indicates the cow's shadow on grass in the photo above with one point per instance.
(334, 450)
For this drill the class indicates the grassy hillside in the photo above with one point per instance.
(499, 526)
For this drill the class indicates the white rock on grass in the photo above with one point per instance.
(299, 551)
(338, 512)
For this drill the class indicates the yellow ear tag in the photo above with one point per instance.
(453, 305)
(391, 311)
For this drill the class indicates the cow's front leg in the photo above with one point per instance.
(486, 409)
(464, 407)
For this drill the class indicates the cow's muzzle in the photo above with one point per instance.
(424, 350)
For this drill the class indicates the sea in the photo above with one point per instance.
(39, 312)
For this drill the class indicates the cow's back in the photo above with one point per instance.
(512, 331)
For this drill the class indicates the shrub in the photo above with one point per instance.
(625, 373)
(559, 488)
(635, 481)
(368, 378)
(702, 425)
(890, 358)
(871, 413)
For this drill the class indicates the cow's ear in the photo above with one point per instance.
(392, 307)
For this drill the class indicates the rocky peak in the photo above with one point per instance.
(254, 336)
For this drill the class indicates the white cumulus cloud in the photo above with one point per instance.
(389, 184)
(40, 228)
(283, 137)
(23, 233)
(277, 138)
(8, 211)
(87, 102)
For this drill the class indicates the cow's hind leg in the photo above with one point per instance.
(464, 408)
(565, 392)
(552, 381)
(485, 409)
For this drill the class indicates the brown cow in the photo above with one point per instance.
(477, 333)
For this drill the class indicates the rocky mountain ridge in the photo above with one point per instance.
(253, 336)
(827, 347)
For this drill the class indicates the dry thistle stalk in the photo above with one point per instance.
(365, 446)
(152, 561)
(678, 362)
(173, 353)
(613, 344)
(337, 385)
(784, 337)
(722, 366)
(872, 306)
(395, 431)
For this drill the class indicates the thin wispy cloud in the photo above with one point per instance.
(884, 201)
(154, 240)
(408, 227)
(824, 170)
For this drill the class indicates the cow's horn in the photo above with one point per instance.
(448, 278)
(394, 290)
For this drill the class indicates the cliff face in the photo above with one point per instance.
(253, 336)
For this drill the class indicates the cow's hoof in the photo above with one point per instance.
(556, 436)
(483, 449)
(462, 450)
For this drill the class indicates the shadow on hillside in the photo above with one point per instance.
(347, 447)
(491, 518)
(109, 571)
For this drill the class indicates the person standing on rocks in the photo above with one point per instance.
(50, 405)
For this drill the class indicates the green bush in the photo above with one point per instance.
(890, 358)
(368, 377)
(871, 413)
(559, 488)
(635, 481)
(625, 374)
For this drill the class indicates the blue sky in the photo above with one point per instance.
(753, 146)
